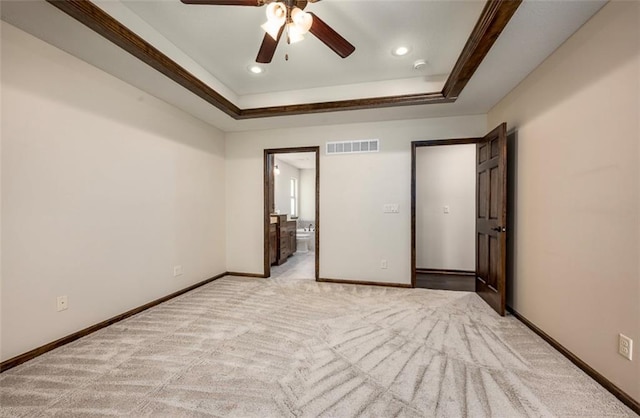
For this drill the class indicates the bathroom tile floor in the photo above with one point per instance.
(298, 266)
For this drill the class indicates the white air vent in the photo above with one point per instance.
(352, 147)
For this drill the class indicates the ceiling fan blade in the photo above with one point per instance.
(225, 2)
(268, 48)
(330, 37)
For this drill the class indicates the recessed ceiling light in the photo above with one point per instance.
(255, 69)
(400, 51)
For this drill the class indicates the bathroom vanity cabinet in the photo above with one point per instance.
(273, 243)
(283, 232)
(287, 240)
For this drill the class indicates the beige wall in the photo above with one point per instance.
(577, 272)
(355, 235)
(446, 176)
(104, 190)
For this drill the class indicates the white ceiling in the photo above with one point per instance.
(224, 40)
(217, 43)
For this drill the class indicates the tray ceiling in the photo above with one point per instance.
(216, 44)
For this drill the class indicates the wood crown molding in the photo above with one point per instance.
(493, 19)
(495, 16)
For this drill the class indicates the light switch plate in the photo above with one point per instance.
(391, 208)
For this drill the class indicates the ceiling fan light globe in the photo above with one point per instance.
(296, 39)
(302, 20)
(272, 28)
(276, 11)
(294, 33)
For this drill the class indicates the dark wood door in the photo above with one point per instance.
(491, 218)
(270, 186)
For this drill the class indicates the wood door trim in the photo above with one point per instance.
(31, 354)
(493, 19)
(365, 283)
(414, 147)
(266, 153)
(241, 274)
(595, 375)
(447, 272)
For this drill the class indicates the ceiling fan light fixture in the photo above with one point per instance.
(289, 15)
(272, 28)
(276, 16)
(276, 11)
(294, 34)
(302, 20)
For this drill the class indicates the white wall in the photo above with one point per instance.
(445, 176)
(104, 190)
(577, 271)
(354, 233)
(282, 185)
(308, 195)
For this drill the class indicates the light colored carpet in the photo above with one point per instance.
(243, 347)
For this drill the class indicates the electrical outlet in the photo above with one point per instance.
(625, 346)
(383, 264)
(63, 303)
(445, 209)
(177, 271)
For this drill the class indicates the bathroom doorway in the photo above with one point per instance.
(292, 212)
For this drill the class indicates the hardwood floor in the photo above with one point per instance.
(446, 282)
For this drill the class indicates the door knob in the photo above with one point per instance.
(499, 229)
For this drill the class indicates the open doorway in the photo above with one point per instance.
(445, 217)
(291, 212)
(443, 241)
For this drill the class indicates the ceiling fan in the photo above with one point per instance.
(288, 16)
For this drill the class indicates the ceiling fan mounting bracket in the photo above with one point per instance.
(288, 3)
